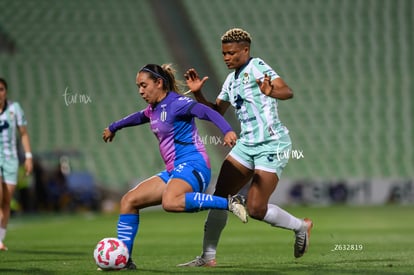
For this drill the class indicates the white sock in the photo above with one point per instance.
(2, 234)
(215, 223)
(276, 216)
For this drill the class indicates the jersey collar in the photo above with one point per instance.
(237, 72)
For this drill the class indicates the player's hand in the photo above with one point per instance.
(28, 166)
(266, 86)
(193, 81)
(107, 135)
(230, 139)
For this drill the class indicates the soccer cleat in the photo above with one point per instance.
(199, 262)
(237, 205)
(3, 247)
(130, 265)
(302, 238)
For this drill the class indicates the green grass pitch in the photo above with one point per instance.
(345, 240)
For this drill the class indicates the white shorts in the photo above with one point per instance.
(271, 156)
(8, 170)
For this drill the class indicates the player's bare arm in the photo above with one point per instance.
(221, 106)
(277, 88)
(195, 83)
(28, 163)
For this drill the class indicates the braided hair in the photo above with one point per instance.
(236, 35)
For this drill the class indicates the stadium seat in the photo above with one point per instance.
(348, 64)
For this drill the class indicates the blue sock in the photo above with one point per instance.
(200, 201)
(127, 229)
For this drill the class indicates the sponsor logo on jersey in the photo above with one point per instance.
(163, 115)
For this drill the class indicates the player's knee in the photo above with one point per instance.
(172, 202)
(257, 212)
(168, 205)
(127, 203)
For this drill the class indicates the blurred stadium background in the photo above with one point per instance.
(72, 66)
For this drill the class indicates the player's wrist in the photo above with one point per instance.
(28, 155)
(113, 127)
(271, 89)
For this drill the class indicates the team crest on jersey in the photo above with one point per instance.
(11, 113)
(163, 115)
(245, 79)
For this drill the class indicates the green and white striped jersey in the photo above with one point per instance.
(256, 112)
(10, 118)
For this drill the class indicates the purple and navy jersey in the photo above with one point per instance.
(175, 129)
(172, 122)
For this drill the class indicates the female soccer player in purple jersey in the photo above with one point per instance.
(181, 187)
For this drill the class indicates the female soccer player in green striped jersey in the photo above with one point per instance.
(253, 89)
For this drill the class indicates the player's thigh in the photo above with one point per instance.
(10, 192)
(3, 190)
(186, 177)
(9, 171)
(269, 160)
(262, 187)
(176, 187)
(173, 198)
(273, 156)
(147, 193)
(196, 175)
(233, 176)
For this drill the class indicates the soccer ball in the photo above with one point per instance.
(111, 254)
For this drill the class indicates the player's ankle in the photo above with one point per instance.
(208, 256)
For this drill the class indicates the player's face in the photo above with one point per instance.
(149, 89)
(3, 93)
(235, 54)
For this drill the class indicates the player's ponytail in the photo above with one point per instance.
(170, 71)
(166, 72)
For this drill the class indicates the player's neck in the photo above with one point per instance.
(2, 106)
(161, 97)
